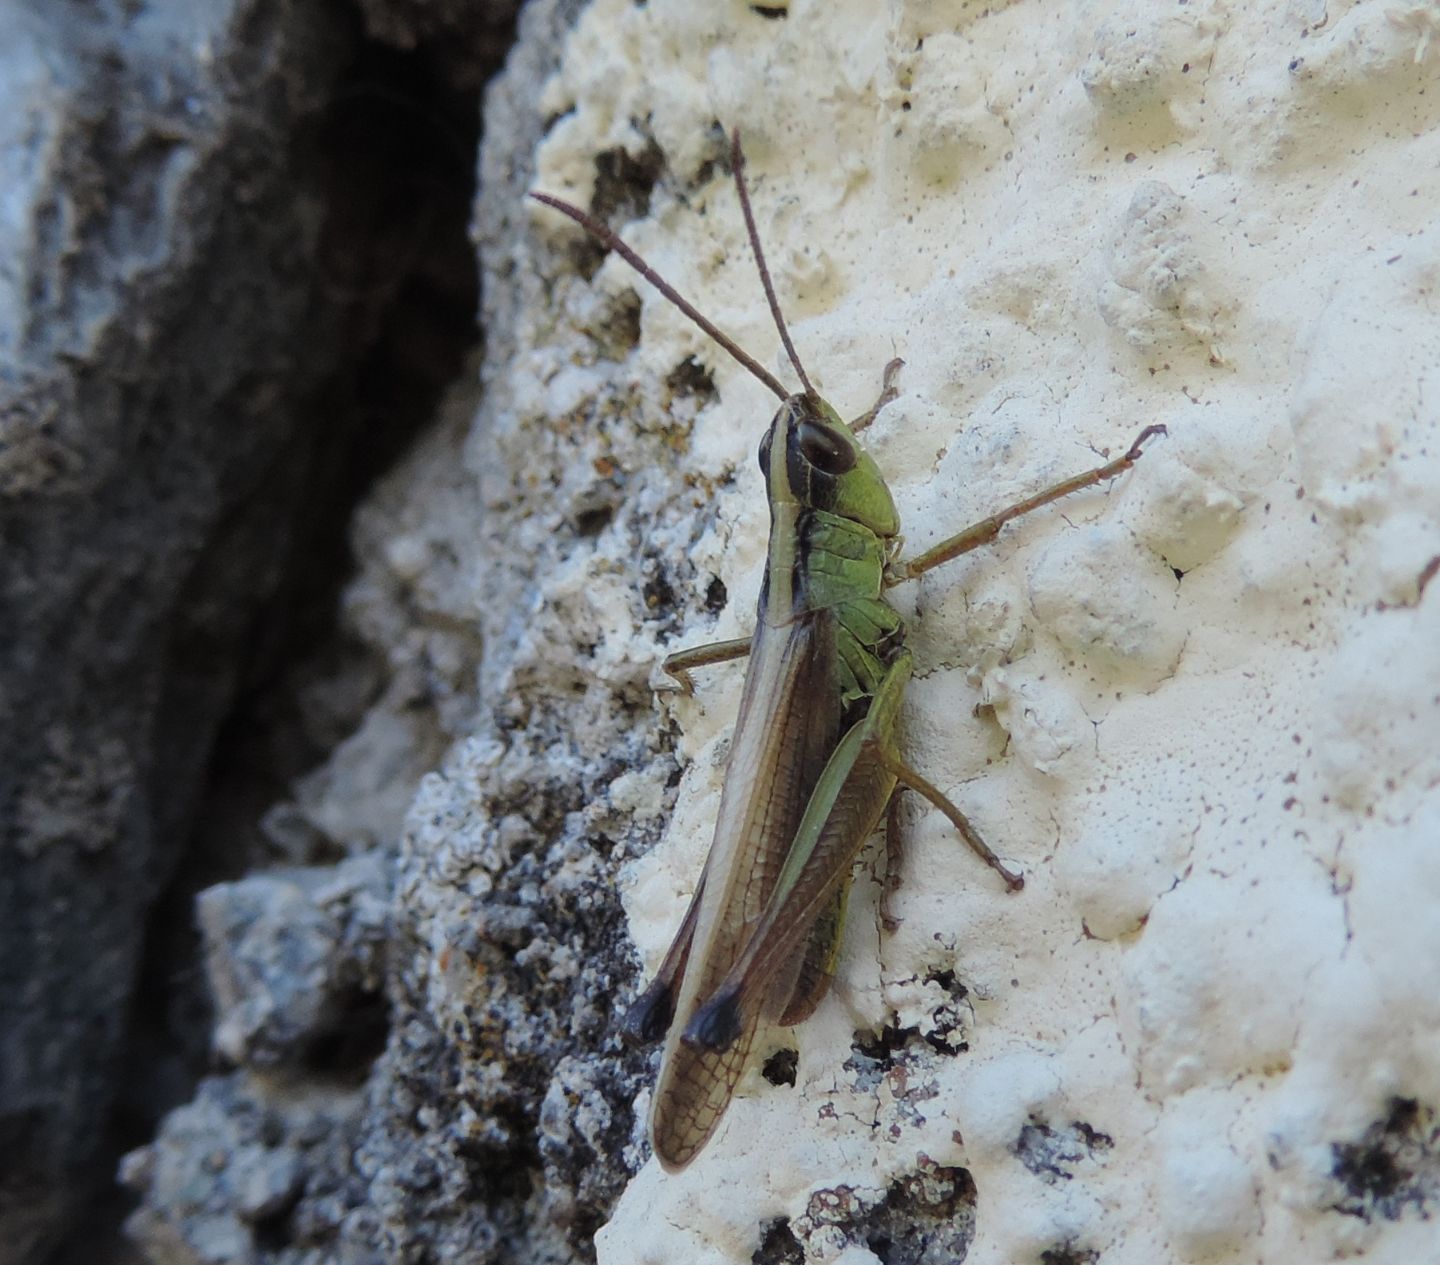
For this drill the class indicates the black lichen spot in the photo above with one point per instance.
(624, 182)
(622, 325)
(590, 523)
(779, 1246)
(781, 1066)
(947, 1019)
(1069, 1254)
(659, 595)
(893, 1044)
(927, 1218)
(691, 379)
(881, 1047)
(1394, 1166)
(772, 11)
(716, 595)
(1093, 1138)
(1038, 1149)
(1051, 1153)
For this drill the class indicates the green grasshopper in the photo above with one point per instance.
(815, 758)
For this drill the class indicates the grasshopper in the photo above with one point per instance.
(815, 758)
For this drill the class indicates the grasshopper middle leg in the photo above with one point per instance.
(680, 664)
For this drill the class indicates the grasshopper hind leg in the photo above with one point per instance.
(817, 967)
(894, 852)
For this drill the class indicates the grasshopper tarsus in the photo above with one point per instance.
(888, 392)
(1137, 447)
(911, 780)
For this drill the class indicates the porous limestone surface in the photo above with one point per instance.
(1200, 706)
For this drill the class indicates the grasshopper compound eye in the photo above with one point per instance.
(824, 449)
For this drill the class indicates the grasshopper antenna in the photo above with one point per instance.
(611, 240)
(737, 164)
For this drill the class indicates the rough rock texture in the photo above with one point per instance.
(190, 295)
(436, 1154)
(147, 426)
(1201, 707)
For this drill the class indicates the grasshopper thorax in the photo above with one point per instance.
(811, 459)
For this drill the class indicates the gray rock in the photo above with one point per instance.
(171, 321)
(292, 955)
(224, 1178)
(489, 1129)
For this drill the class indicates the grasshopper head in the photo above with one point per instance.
(811, 459)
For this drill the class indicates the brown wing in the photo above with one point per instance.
(843, 811)
(789, 721)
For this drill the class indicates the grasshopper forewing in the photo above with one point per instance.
(815, 758)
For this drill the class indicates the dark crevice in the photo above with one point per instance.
(658, 593)
(716, 595)
(927, 1218)
(623, 185)
(384, 185)
(590, 523)
(356, 1039)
